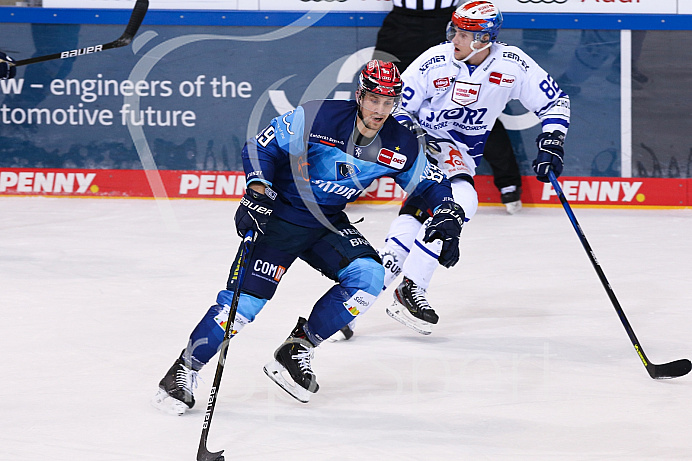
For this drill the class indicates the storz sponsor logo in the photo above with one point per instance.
(273, 271)
(391, 158)
(431, 61)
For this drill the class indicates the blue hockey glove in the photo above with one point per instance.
(550, 153)
(254, 211)
(6, 70)
(446, 225)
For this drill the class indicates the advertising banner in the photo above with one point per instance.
(589, 6)
(157, 4)
(187, 97)
(331, 5)
(264, 5)
(620, 192)
(514, 6)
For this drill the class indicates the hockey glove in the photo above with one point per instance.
(254, 211)
(446, 225)
(6, 70)
(550, 153)
(411, 123)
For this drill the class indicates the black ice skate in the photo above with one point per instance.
(175, 389)
(291, 366)
(411, 308)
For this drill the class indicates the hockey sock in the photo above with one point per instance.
(206, 338)
(422, 261)
(360, 283)
(397, 246)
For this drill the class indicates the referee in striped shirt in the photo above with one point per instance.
(412, 27)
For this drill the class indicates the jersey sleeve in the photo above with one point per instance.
(541, 94)
(415, 85)
(271, 147)
(427, 181)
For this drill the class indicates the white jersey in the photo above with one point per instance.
(454, 104)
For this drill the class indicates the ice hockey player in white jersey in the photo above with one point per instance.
(455, 91)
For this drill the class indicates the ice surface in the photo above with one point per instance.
(529, 360)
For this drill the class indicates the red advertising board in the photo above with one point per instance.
(588, 191)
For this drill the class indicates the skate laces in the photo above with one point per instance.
(303, 357)
(186, 379)
(418, 296)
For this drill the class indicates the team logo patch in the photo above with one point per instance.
(391, 158)
(443, 82)
(505, 80)
(465, 93)
(346, 170)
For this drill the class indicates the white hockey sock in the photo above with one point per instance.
(397, 246)
(422, 261)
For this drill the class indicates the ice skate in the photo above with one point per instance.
(175, 389)
(511, 198)
(290, 368)
(411, 308)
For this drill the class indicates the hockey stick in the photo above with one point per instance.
(203, 454)
(667, 370)
(136, 18)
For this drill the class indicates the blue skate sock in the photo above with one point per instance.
(206, 338)
(359, 284)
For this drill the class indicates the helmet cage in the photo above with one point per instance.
(481, 37)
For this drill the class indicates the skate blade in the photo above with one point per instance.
(164, 402)
(277, 372)
(403, 316)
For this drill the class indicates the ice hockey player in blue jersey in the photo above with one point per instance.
(301, 171)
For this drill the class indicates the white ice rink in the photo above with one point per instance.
(529, 360)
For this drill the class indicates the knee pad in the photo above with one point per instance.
(364, 274)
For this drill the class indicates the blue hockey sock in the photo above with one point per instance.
(360, 283)
(206, 338)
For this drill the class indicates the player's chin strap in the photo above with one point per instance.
(475, 51)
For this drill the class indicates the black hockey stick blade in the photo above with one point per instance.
(664, 371)
(239, 267)
(136, 18)
(205, 455)
(670, 370)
